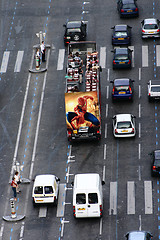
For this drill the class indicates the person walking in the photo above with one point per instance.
(17, 180)
(14, 186)
(38, 56)
(43, 49)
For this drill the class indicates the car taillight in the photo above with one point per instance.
(130, 90)
(54, 198)
(158, 30)
(115, 131)
(98, 131)
(113, 90)
(114, 62)
(132, 130)
(143, 31)
(74, 210)
(69, 132)
(100, 209)
(136, 9)
(129, 62)
(122, 10)
(154, 167)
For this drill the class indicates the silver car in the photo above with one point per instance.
(150, 28)
(138, 235)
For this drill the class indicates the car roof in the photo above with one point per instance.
(86, 180)
(150, 21)
(121, 50)
(128, 1)
(73, 24)
(137, 235)
(155, 82)
(123, 117)
(44, 179)
(121, 27)
(121, 81)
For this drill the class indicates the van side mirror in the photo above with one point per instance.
(72, 184)
(64, 25)
(103, 182)
(57, 179)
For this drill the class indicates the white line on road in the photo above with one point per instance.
(42, 211)
(139, 91)
(103, 57)
(130, 197)
(139, 130)
(5, 61)
(140, 223)
(105, 135)
(139, 74)
(139, 110)
(18, 63)
(139, 151)
(144, 56)
(148, 197)
(106, 110)
(158, 55)
(100, 227)
(113, 198)
(60, 59)
(108, 74)
(139, 173)
(105, 151)
(107, 92)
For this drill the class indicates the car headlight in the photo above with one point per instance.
(68, 37)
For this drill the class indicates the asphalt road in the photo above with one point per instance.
(33, 130)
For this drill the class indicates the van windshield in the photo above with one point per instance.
(48, 189)
(81, 198)
(38, 190)
(92, 198)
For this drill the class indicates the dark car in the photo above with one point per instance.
(75, 31)
(155, 170)
(122, 89)
(122, 58)
(121, 34)
(127, 8)
(139, 235)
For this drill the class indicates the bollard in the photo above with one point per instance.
(13, 210)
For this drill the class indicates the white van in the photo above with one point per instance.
(87, 195)
(45, 189)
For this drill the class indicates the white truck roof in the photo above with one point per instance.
(86, 181)
(44, 180)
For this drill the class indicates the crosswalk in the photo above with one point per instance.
(9, 59)
(132, 198)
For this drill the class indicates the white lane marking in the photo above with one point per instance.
(148, 197)
(106, 110)
(108, 74)
(103, 57)
(130, 197)
(22, 230)
(132, 48)
(139, 91)
(113, 198)
(107, 93)
(139, 130)
(5, 60)
(139, 74)
(139, 110)
(104, 173)
(140, 223)
(18, 63)
(1, 231)
(42, 211)
(139, 173)
(100, 227)
(105, 147)
(60, 59)
(158, 55)
(144, 56)
(139, 151)
(61, 200)
(105, 130)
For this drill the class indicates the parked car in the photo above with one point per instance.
(153, 90)
(155, 169)
(121, 35)
(124, 125)
(122, 58)
(127, 8)
(139, 235)
(150, 28)
(122, 89)
(75, 31)
(45, 189)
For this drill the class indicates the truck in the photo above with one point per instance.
(82, 94)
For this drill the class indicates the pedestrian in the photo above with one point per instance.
(18, 181)
(38, 55)
(14, 185)
(43, 49)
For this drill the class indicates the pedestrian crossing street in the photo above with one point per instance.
(9, 59)
(132, 197)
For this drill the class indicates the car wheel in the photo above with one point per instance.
(76, 38)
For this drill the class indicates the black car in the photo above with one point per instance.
(122, 58)
(75, 31)
(122, 89)
(121, 35)
(127, 8)
(140, 235)
(155, 170)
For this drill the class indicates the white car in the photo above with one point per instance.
(45, 189)
(150, 28)
(124, 125)
(153, 90)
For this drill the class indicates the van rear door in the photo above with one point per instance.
(93, 205)
(81, 205)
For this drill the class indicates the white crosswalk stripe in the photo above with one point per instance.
(5, 60)
(144, 56)
(103, 57)
(131, 198)
(157, 55)
(60, 59)
(18, 63)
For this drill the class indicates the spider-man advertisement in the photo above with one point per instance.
(82, 110)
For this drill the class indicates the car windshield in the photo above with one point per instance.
(92, 198)
(122, 88)
(121, 57)
(48, 189)
(38, 190)
(129, 6)
(120, 34)
(73, 30)
(155, 89)
(121, 125)
(150, 26)
(81, 198)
